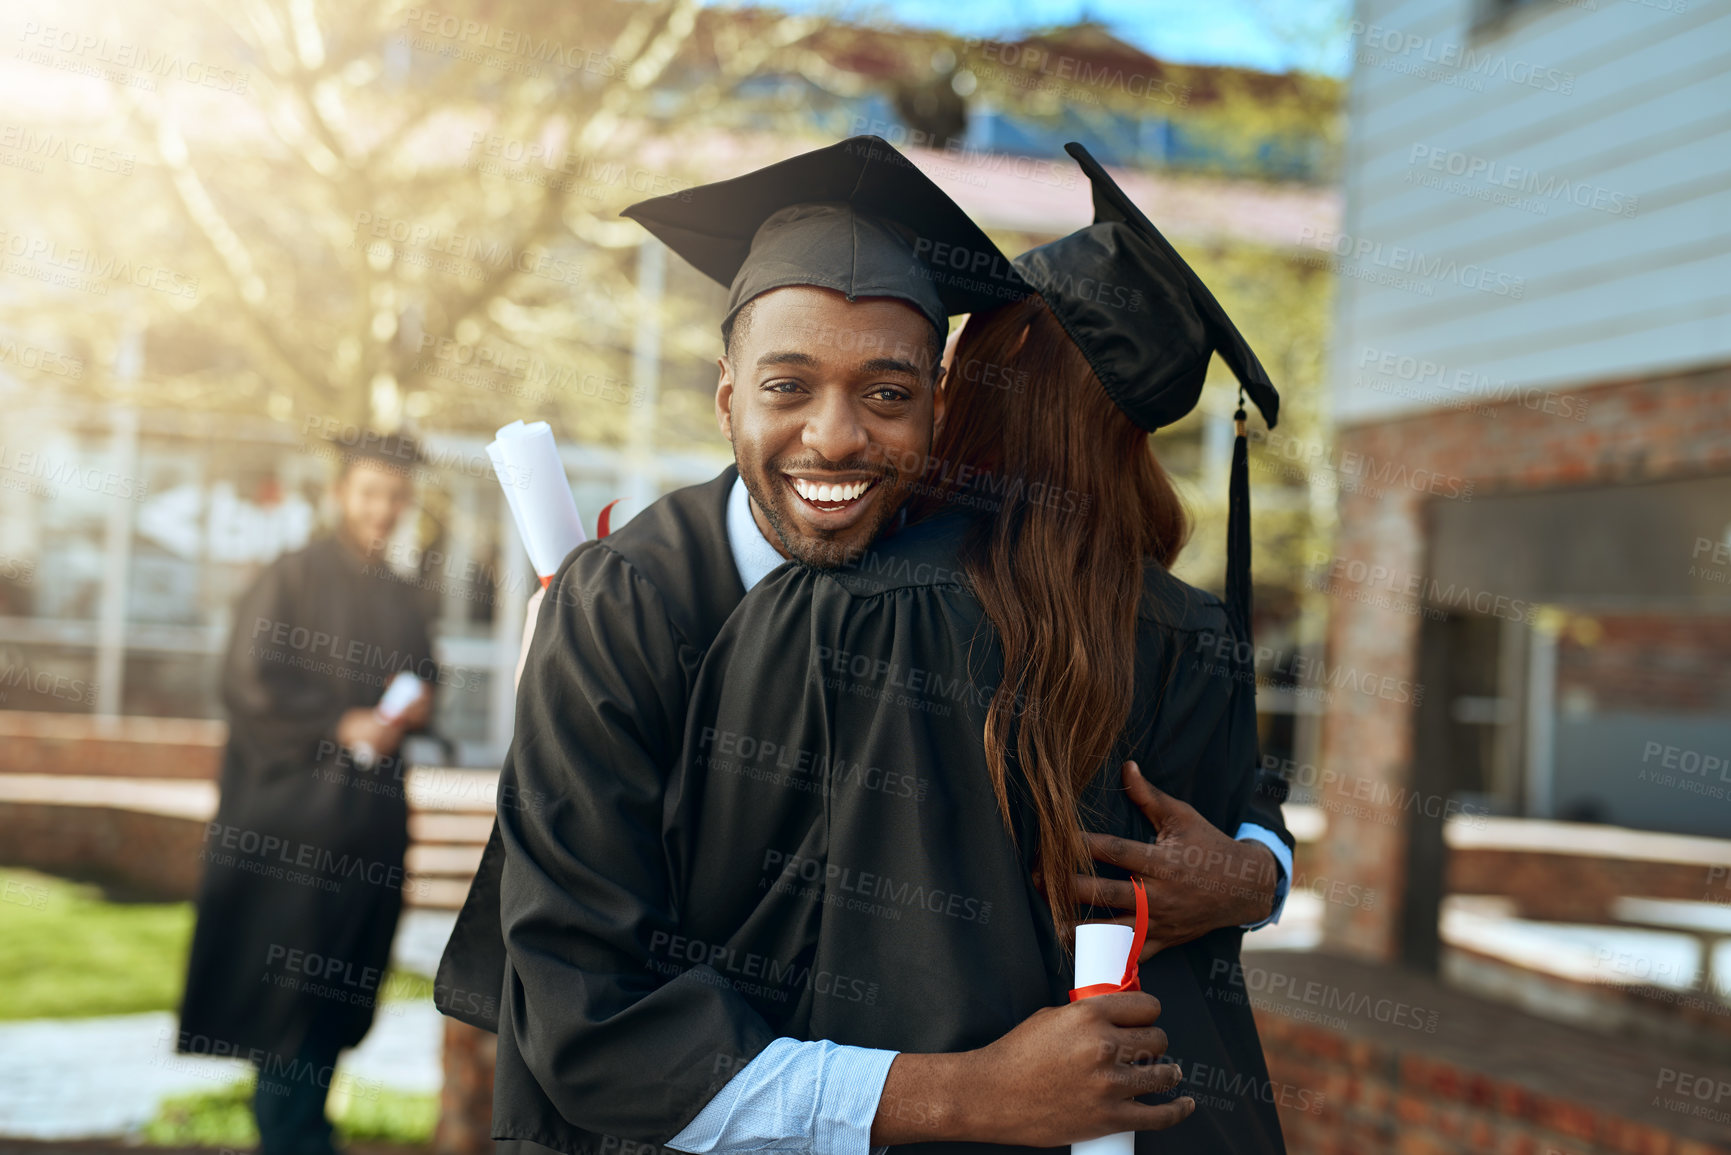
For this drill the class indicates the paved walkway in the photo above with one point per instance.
(104, 1077)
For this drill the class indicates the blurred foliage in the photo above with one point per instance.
(409, 216)
(223, 1118)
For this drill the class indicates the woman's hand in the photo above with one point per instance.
(1197, 878)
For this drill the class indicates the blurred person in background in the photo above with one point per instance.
(303, 877)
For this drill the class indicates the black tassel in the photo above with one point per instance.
(1238, 532)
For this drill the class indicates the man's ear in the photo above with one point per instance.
(940, 395)
(724, 397)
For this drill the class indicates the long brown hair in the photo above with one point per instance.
(1074, 504)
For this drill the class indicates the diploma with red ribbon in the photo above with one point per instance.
(1108, 960)
(1108, 952)
(527, 463)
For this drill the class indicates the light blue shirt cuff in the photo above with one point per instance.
(1250, 832)
(819, 1097)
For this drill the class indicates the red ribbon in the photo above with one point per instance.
(1132, 980)
(546, 581)
(604, 522)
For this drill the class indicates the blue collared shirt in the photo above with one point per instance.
(821, 1096)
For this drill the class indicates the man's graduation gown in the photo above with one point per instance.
(575, 876)
(303, 863)
(841, 862)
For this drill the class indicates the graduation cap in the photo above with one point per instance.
(1148, 325)
(856, 217)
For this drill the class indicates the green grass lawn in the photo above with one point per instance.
(66, 952)
(224, 1118)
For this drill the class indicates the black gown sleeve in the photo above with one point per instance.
(278, 712)
(584, 890)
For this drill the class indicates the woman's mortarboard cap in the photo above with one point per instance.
(1138, 311)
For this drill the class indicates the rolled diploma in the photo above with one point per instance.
(527, 462)
(404, 689)
(1102, 949)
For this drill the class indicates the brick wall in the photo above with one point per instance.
(1664, 663)
(1370, 1060)
(1640, 430)
(33, 742)
(1577, 887)
(133, 852)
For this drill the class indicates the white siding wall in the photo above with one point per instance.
(1629, 102)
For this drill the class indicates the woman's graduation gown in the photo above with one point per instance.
(837, 851)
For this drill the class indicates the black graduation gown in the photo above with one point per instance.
(551, 946)
(303, 872)
(841, 862)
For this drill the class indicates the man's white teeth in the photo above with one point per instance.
(813, 491)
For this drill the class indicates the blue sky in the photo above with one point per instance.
(1273, 35)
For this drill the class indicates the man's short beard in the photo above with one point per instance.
(826, 553)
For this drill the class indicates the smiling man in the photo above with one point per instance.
(828, 435)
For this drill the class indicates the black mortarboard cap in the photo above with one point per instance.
(1148, 326)
(856, 217)
(1138, 311)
